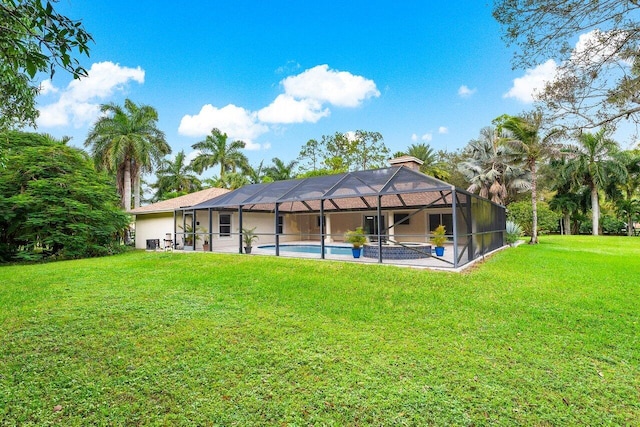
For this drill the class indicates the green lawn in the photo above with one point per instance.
(542, 335)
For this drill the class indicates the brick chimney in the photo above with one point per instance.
(408, 161)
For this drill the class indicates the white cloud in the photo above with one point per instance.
(465, 92)
(350, 135)
(104, 78)
(524, 88)
(339, 88)
(236, 122)
(53, 115)
(286, 109)
(443, 129)
(591, 48)
(47, 88)
(189, 157)
(79, 102)
(252, 146)
(597, 46)
(306, 99)
(289, 67)
(425, 137)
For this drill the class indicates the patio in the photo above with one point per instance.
(396, 205)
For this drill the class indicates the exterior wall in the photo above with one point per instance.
(415, 231)
(298, 227)
(152, 226)
(343, 222)
(264, 224)
(307, 226)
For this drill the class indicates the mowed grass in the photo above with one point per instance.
(536, 335)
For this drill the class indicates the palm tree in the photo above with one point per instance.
(430, 163)
(174, 177)
(230, 181)
(567, 204)
(564, 200)
(593, 164)
(256, 174)
(280, 170)
(630, 208)
(631, 161)
(214, 150)
(126, 142)
(527, 141)
(492, 169)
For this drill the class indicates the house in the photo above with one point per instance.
(153, 222)
(398, 207)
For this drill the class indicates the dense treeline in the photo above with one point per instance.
(58, 201)
(567, 177)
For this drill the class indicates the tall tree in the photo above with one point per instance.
(34, 38)
(629, 208)
(126, 141)
(256, 175)
(567, 204)
(629, 205)
(597, 78)
(216, 150)
(338, 152)
(312, 153)
(631, 161)
(492, 169)
(369, 151)
(529, 140)
(593, 164)
(431, 165)
(449, 161)
(280, 170)
(175, 178)
(357, 150)
(566, 201)
(230, 181)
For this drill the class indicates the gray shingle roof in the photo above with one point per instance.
(359, 188)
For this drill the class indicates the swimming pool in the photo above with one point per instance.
(310, 249)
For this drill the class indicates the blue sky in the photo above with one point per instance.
(276, 74)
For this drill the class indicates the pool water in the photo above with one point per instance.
(310, 249)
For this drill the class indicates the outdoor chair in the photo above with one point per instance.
(168, 242)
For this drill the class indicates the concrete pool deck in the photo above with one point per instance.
(431, 263)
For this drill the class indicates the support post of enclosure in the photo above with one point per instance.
(210, 229)
(275, 222)
(454, 207)
(470, 234)
(322, 229)
(380, 229)
(240, 229)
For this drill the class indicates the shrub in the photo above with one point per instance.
(612, 225)
(53, 204)
(439, 237)
(356, 237)
(513, 231)
(521, 213)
